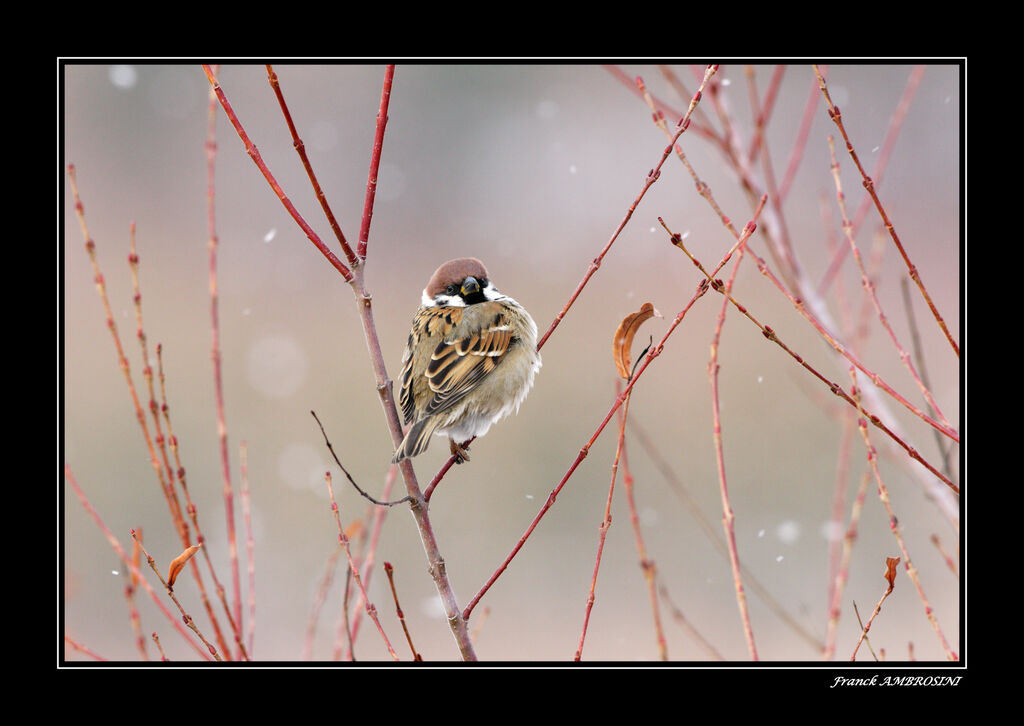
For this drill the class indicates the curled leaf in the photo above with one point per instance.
(890, 571)
(622, 343)
(179, 562)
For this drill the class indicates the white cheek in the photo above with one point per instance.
(443, 301)
(491, 292)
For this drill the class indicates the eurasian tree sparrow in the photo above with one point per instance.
(469, 361)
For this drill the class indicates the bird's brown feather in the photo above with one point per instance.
(459, 362)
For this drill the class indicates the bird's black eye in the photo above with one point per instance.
(483, 282)
(452, 289)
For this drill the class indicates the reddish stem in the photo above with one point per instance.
(648, 359)
(378, 144)
(254, 154)
(836, 116)
(300, 148)
(222, 430)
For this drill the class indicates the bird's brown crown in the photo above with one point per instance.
(454, 272)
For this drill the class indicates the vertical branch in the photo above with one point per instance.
(389, 570)
(218, 386)
(129, 593)
(378, 144)
(606, 523)
(250, 543)
(646, 565)
(355, 278)
(727, 513)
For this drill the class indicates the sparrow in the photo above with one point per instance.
(469, 361)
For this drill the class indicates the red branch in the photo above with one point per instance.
(378, 143)
(648, 359)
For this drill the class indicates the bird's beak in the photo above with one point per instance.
(470, 286)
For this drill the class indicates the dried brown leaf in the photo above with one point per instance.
(622, 343)
(890, 571)
(179, 562)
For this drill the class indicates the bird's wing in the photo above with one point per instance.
(466, 355)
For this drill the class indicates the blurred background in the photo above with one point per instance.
(530, 168)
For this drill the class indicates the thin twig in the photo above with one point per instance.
(163, 470)
(378, 515)
(945, 448)
(727, 513)
(188, 620)
(371, 610)
(378, 143)
(346, 624)
(647, 566)
(651, 177)
(90, 247)
(193, 513)
(647, 360)
(254, 154)
(398, 608)
(250, 542)
(116, 545)
(895, 124)
(715, 536)
(318, 602)
(678, 616)
(215, 356)
(156, 639)
(843, 569)
(349, 476)
(836, 116)
(797, 152)
(890, 576)
(75, 645)
(883, 494)
(835, 388)
(130, 589)
(869, 287)
(602, 529)
(950, 563)
(300, 147)
(864, 631)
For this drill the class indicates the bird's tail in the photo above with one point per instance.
(416, 440)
